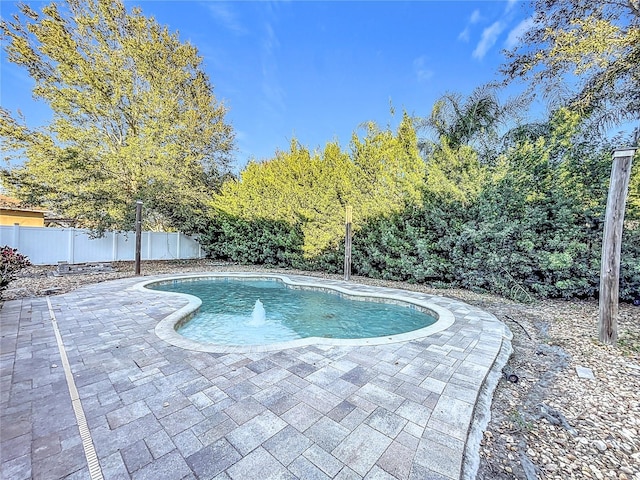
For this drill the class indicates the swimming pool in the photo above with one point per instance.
(259, 311)
(224, 312)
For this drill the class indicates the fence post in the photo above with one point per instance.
(16, 236)
(138, 234)
(178, 245)
(71, 246)
(114, 246)
(612, 244)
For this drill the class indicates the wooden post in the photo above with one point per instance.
(347, 243)
(612, 243)
(138, 234)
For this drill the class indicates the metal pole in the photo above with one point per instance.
(138, 234)
(347, 243)
(612, 244)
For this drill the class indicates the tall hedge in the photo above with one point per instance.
(533, 230)
(380, 174)
(258, 241)
(527, 224)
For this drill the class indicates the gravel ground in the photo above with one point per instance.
(550, 423)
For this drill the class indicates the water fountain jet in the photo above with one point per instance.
(258, 315)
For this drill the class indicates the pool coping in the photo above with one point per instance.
(166, 328)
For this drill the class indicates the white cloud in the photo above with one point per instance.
(273, 93)
(488, 40)
(226, 17)
(420, 68)
(510, 4)
(270, 40)
(474, 18)
(516, 33)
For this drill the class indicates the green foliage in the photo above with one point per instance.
(595, 44)
(411, 245)
(383, 172)
(532, 226)
(540, 248)
(468, 121)
(472, 123)
(455, 173)
(258, 241)
(537, 227)
(295, 188)
(134, 117)
(388, 169)
(630, 262)
(11, 262)
(527, 224)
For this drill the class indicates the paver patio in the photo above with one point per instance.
(156, 411)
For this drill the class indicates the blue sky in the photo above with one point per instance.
(317, 70)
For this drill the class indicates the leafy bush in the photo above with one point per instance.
(11, 262)
(533, 230)
(261, 241)
(308, 189)
(533, 250)
(526, 224)
(630, 263)
(410, 246)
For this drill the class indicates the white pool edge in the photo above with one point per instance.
(166, 328)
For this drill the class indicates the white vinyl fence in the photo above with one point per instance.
(48, 246)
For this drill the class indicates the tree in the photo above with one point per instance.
(593, 45)
(383, 173)
(297, 187)
(390, 171)
(473, 121)
(455, 174)
(134, 117)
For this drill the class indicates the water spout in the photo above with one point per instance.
(258, 315)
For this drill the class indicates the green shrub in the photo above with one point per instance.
(630, 263)
(525, 224)
(411, 246)
(264, 242)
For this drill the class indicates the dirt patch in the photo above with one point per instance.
(550, 424)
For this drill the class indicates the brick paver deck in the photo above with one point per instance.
(156, 411)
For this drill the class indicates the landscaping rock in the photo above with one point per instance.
(584, 372)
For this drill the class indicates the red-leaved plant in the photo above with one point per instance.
(10, 263)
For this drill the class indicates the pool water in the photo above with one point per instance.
(227, 313)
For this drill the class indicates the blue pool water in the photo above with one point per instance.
(229, 315)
